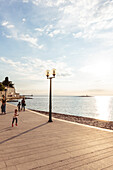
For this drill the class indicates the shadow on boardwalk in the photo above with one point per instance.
(6, 140)
(6, 129)
(1, 114)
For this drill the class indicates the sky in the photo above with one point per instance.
(73, 36)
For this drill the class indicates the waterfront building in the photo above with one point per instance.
(8, 89)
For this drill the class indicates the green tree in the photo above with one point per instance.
(8, 83)
(2, 87)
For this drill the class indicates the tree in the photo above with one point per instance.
(8, 83)
(2, 87)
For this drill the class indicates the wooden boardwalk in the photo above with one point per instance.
(36, 144)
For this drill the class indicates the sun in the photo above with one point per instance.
(99, 68)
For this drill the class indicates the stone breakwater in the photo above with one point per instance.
(83, 120)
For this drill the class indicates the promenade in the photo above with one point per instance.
(37, 144)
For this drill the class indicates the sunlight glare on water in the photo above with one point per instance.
(103, 107)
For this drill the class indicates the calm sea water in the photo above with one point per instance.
(100, 107)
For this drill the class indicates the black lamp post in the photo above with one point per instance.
(50, 94)
(5, 93)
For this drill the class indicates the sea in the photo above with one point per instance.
(99, 107)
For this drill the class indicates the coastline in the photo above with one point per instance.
(79, 119)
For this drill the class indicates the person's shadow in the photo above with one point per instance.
(10, 128)
(6, 129)
(6, 113)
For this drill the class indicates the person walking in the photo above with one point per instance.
(15, 118)
(3, 107)
(18, 105)
(23, 104)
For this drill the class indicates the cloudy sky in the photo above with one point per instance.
(73, 36)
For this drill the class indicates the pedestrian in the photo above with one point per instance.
(15, 118)
(18, 105)
(23, 104)
(3, 106)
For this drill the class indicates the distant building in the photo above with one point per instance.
(9, 89)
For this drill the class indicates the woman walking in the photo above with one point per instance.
(3, 107)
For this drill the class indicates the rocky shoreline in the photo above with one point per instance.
(79, 119)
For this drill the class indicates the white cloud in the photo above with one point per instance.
(10, 26)
(23, 20)
(46, 28)
(25, 1)
(14, 33)
(39, 29)
(55, 3)
(6, 24)
(11, 62)
(55, 32)
(36, 2)
(8, 36)
(49, 30)
(84, 19)
(77, 35)
(34, 68)
(29, 39)
(49, 3)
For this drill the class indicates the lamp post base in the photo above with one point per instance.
(50, 121)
